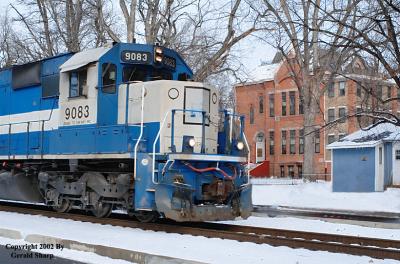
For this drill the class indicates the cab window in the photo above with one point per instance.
(161, 75)
(133, 74)
(109, 76)
(78, 83)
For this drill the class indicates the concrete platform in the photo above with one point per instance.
(111, 252)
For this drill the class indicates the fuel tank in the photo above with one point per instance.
(19, 187)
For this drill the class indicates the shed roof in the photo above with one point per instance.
(83, 58)
(385, 132)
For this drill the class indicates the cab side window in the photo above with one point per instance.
(78, 83)
(109, 77)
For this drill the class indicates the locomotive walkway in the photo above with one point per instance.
(354, 245)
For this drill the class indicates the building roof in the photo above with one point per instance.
(385, 132)
(263, 73)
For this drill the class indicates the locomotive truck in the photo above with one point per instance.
(121, 127)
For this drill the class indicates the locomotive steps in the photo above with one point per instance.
(111, 252)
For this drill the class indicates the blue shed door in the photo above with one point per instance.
(108, 97)
(379, 181)
(396, 163)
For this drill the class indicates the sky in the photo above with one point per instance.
(252, 51)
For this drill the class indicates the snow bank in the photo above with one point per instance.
(320, 195)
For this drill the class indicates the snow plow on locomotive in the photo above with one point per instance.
(121, 127)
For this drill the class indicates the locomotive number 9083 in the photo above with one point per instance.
(77, 112)
(135, 57)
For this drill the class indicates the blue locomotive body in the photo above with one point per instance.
(121, 127)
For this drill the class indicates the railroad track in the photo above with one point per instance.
(362, 246)
(273, 211)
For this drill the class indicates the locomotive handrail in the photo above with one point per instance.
(242, 134)
(28, 130)
(154, 148)
(141, 131)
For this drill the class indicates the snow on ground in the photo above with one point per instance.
(85, 257)
(181, 246)
(320, 195)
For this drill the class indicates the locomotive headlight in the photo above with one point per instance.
(192, 142)
(240, 145)
(158, 50)
(158, 58)
(158, 54)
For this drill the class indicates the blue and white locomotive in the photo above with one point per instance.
(121, 127)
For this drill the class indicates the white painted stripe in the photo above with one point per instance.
(71, 156)
(206, 157)
(122, 104)
(19, 122)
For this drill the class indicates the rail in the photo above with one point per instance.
(354, 245)
(141, 130)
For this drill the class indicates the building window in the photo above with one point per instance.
(283, 142)
(282, 171)
(358, 109)
(342, 88)
(260, 137)
(380, 155)
(398, 94)
(300, 171)
(397, 154)
(331, 115)
(77, 83)
(389, 92)
(331, 139)
(271, 105)
(301, 102)
(379, 92)
(331, 90)
(342, 114)
(291, 171)
(271, 143)
(261, 104)
(341, 135)
(283, 103)
(251, 114)
(292, 146)
(292, 103)
(301, 141)
(359, 89)
(317, 142)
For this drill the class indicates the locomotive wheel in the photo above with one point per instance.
(64, 207)
(102, 210)
(146, 216)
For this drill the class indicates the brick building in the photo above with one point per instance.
(274, 116)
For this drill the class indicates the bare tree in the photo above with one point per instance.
(311, 62)
(203, 33)
(376, 35)
(8, 55)
(130, 18)
(50, 27)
